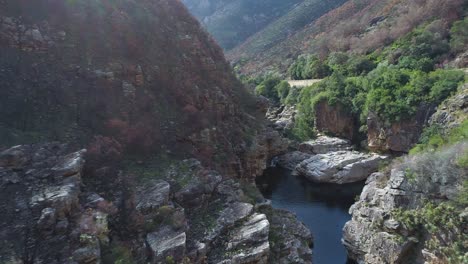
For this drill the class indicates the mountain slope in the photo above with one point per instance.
(360, 26)
(141, 72)
(231, 22)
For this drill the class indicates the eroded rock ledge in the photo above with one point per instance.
(185, 214)
(376, 235)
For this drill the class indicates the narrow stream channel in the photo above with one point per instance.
(323, 208)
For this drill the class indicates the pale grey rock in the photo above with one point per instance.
(235, 212)
(340, 167)
(47, 219)
(256, 228)
(154, 195)
(373, 236)
(63, 198)
(291, 159)
(282, 118)
(71, 164)
(325, 144)
(166, 243)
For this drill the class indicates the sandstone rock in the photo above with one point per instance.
(339, 167)
(166, 243)
(282, 118)
(334, 120)
(47, 219)
(255, 229)
(291, 159)
(399, 136)
(453, 111)
(296, 239)
(71, 164)
(154, 195)
(13, 157)
(90, 253)
(63, 198)
(373, 236)
(235, 212)
(247, 243)
(264, 147)
(324, 144)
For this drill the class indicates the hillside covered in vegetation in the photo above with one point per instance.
(358, 26)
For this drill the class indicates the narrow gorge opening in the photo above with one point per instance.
(323, 208)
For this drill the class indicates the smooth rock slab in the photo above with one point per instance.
(166, 243)
(339, 167)
(324, 144)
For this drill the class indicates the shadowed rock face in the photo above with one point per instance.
(399, 136)
(334, 120)
(141, 72)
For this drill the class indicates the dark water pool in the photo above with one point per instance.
(322, 207)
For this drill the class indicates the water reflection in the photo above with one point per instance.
(322, 207)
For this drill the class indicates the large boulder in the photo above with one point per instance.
(339, 167)
(166, 244)
(324, 144)
(154, 195)
(291, 159)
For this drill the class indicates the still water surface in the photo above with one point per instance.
(323, 208)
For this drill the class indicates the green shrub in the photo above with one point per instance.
(267, 88)
(282, 90)
(308, 68)
(439, 222)
(459, 36)
(293, 96)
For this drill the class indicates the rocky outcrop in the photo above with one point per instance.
(282, 118)
(399, 136)
(266, 145)
(453, 111)
(184, 213)
(339, 167)
(158, 85)
(334, 120)
(376, 235)
(166, 243)
(290, 240)
(291, 159)
(324, 144)
(45, 216)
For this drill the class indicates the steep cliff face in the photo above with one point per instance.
(415, 211)
(141, 72)
(399, 136)
(334, 120)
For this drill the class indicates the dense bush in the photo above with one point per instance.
(308, 68)
(434, 137)
(392, 83)
(347, 64)
(267, 87)
(273, 88)
(459, 36)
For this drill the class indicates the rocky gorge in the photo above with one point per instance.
(126, 137)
